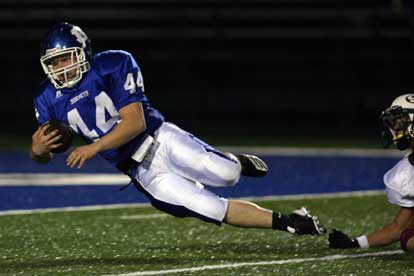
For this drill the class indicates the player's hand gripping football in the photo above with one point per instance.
(43, 143)
(338, 239)
(81, 154)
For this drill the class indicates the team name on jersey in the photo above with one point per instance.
(80, 96)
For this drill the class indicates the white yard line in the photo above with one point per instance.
(72, 209)
(59, 179)
(135, 205)
(275, 262)
(293, 151)
(316, 196)
(145, 216)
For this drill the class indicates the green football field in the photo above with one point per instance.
(143, 241)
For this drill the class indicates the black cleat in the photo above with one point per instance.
(252, 165)
(301, 222)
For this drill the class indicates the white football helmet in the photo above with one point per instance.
(397, 121)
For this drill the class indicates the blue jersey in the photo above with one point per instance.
(92, 107)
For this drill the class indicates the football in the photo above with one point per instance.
(67, 135)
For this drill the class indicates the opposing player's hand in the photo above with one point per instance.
(338, 239)
(80, 155)
(43, 143)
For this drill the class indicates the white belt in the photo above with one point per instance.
(143, 149)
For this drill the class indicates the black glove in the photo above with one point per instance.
(337, 239)
(300, 222)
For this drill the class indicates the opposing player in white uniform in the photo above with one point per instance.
(399, 183)
(102, 98)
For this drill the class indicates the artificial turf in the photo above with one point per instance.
(113, 242)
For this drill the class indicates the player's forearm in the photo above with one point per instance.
(124, 132)
(41, 158)
(389, 234)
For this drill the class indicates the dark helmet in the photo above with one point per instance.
(65, 40)
(397, 121)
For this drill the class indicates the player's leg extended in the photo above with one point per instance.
(181, 197)
(191, 158)
(247, 214)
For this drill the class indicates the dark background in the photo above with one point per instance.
(269, 67)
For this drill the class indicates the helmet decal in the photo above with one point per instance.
(80, 35)
(410, 98)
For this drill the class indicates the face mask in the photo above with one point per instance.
(386, 138)
(403, 143)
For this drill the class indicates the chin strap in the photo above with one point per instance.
(403, 143)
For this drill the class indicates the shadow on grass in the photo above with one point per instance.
(183, 254)
(249, 250)
(85, 262)
(187, 255)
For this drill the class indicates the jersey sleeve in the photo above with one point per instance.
(41, 110)
(127, 82)
(399, 184)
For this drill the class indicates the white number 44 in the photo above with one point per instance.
(130, 83)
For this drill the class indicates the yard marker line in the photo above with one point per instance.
(279, 262)
(145, 216)
(62, 179)
(139, 205)
(317, 196)
(306, 151)
(72, 209)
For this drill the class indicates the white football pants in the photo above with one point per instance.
(173, 173)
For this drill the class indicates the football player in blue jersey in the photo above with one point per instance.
(102, 98)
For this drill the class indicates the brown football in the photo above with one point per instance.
(67, 135)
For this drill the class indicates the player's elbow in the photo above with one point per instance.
(394, 231)
(407, 239)
(139, 127)
(134, 127)
(133, 118)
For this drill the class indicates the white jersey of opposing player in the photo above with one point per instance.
(399, 184)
